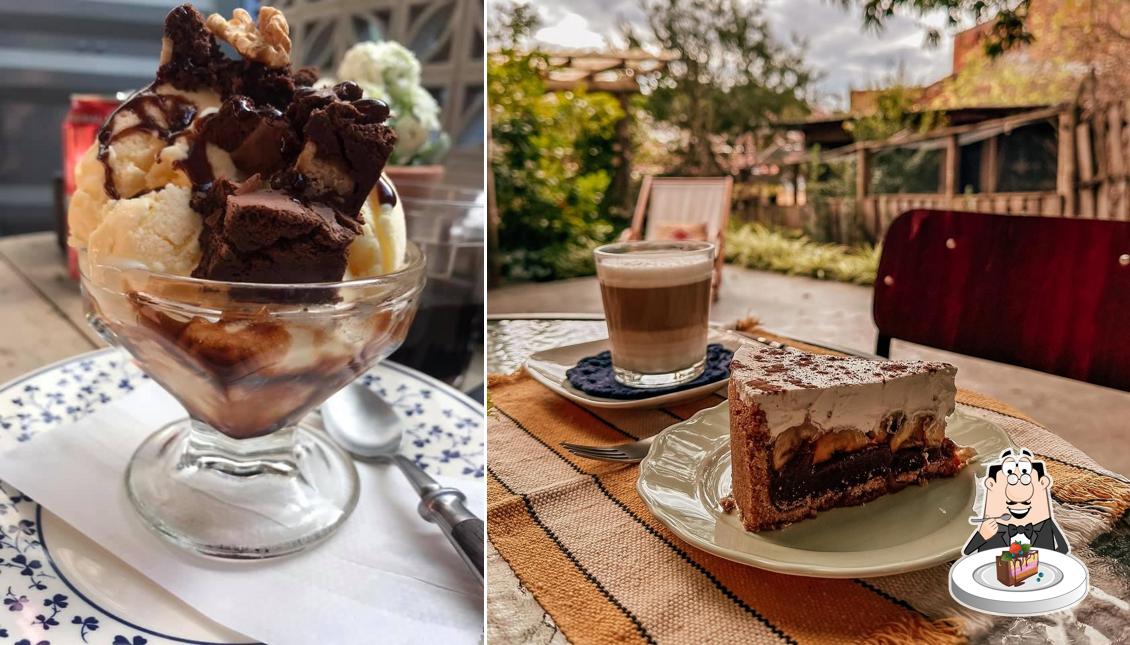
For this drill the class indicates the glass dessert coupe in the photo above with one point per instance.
(242, 478)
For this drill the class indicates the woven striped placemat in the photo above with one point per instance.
(580, 539)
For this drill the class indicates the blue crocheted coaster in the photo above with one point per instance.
(593, 376)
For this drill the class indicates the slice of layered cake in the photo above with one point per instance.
(811, 432)
(1017, 564)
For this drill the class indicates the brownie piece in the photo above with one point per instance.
(348, 145)
(190, 57)
(259, 139)
(253, 233)
(264, 85)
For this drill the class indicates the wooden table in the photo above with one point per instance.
(515, 615)
(41, 319)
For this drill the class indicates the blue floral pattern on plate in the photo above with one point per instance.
(40, 606)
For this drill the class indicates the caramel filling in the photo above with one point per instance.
(808, 462)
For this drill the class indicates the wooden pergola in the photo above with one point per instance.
(615, 72)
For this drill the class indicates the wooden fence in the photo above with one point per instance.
(1097, 175)
(1092, 175)
(876, 212)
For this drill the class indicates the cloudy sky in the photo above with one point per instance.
(838, 48)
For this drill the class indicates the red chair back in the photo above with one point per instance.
(1051, 294)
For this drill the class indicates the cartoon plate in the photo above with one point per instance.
(1061, 583)
(1017, 562)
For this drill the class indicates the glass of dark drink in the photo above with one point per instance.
(657, 304)
(448, 223)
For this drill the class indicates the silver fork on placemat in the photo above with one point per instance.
(628, 453)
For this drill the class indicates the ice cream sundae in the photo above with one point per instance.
(237, 237)
(239, 171)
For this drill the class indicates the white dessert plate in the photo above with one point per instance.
(58, 586)
(548, 367)
(1063, 583)
(687, 473)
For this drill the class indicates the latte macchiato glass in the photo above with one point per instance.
(657, 303)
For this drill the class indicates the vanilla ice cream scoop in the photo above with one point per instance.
(380, 247)
(239, 170)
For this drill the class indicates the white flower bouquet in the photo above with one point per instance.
(390, 72)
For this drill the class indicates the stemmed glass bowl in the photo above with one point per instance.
(241, 477)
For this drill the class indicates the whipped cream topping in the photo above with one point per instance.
(838, 392)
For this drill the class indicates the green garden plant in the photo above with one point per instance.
(756, 246)
(552, 159)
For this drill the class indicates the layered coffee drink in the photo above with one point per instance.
(657, 304)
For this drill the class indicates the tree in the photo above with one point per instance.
(512, 23)
(551, 154)
(1009, 17)
(731, 77)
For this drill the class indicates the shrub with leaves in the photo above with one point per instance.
(552, 159)
(756, 246)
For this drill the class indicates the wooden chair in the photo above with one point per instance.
(1051, 294)
(681, 203)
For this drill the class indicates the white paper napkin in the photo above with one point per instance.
(386, 576)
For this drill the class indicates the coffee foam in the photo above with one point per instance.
(646, 270)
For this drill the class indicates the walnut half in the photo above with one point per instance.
(267, 43)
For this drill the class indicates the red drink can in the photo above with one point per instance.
(80, 130)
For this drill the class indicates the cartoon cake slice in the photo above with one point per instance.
(1017, 564)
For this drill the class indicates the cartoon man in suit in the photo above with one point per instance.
(1018, 490)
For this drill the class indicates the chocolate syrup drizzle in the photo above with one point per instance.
(196, 164)
(385, 194)
(177, 111)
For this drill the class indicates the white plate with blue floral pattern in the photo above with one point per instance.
(60, 588)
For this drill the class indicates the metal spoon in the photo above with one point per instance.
(1003, 518)
(369, 429)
